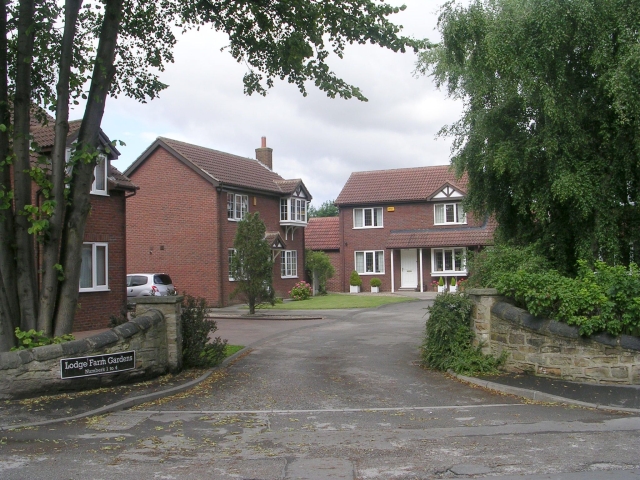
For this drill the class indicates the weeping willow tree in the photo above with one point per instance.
(550, 132)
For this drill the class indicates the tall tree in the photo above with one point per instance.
(550, 132)
(251, 265)
(89, 52)
(327, 209)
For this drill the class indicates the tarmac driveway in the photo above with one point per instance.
(338, 398)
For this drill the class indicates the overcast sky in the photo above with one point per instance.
(318, 139)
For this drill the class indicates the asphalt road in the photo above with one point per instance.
(341, 398)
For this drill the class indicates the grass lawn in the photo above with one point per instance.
(334, 300)
(231, 349)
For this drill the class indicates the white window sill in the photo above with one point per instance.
(367, 228)
(99, 193)
(97, 289)
(292, 276)
(450, 223)
(370, 273)
(450, 272)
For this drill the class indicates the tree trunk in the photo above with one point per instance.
(9, 310)
(78, 209)
(25, 255)
(51, 250)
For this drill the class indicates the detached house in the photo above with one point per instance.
(103, 272)
(183, 221)
(407, 227)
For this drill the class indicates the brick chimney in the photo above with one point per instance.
(264, 154)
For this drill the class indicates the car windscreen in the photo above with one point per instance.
(162, 279)
(136, 280)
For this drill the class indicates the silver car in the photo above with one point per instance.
(149, 284)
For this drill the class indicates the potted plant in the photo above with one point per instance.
(355, 282)
(441, 286)
(434, 285)
(375, 285)
(453, 288)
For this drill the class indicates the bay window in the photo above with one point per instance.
(293, 210)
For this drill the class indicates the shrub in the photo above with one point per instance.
(31, 339)
(448, 338)
(441, 282)
(375, 282)
(355, 279)
(197, 348)
(301, 291)
(319, 264)
(453, 281)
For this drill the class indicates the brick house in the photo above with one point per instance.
(103, 273)
(406, 227)
(184, 219)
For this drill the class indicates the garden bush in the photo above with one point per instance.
(301, 291)
(375, 282)
(355, 279)
(448, 338)
(601, 298)
(31, 338)
(198, 350)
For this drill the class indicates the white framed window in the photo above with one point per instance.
(371, 261)
(449, 260)
(367, 217)
(446, 213)
(237, 206)
(289, 265)
(231, 253)
(293, 210)
(94, 269)
(99, 186)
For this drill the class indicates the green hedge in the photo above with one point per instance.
(603, 298)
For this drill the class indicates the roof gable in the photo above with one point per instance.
(398, 185)
(446, 192)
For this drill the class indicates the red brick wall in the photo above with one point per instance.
(173, 228)
(177, 209)
(106, 223)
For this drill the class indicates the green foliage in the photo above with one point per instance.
(453, 281)
(448, 338)
(487, 266)
(355, 279)
(598, 299)
(198, 348)
(301, 291)
(327, 209)
(252, 264)
(550, 133)
(319, 264)
(441, 282)
(375, 282)
(32, 339)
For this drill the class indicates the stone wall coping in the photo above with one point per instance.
(523, 318)
(170, 299)
(15, 359)
(486, 292)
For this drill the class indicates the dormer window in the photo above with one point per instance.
(99, 186)
(293, 210)
(449, 213)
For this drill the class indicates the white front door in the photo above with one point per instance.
(409, 264)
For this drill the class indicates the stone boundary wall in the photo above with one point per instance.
(550, 348)
(155, 335)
